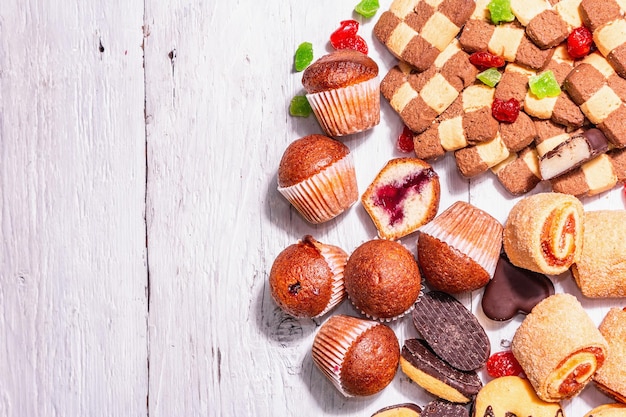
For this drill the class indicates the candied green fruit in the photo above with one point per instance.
(300, 107)
(490, 77)
(367, 8)
(500, 11)
(304, 56)
(544, 85)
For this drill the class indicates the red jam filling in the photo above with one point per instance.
(548, 252)
(392, 196)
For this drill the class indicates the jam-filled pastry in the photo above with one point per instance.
(559, 348)
(543, 232)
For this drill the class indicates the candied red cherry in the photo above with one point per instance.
(505, 111)
(405, 140)
(503, 364)
(579, 42)
(484, 60)
(346, 37)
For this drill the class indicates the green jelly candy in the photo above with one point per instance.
(544, 85)
(491, 77)
(300, 107)
(500, 11)
(367, 8)
(304, 56)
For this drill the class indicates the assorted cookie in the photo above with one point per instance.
(573, 137)
(559, 348)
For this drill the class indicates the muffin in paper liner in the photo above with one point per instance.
(306, 278)
(382, 280)
(360, 357)
(326, 194)
(469, 239)
(347, 110)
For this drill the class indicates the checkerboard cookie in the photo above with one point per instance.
(519, 173)
(547, 26)
(419, 97)
(588, 88)
(602, 173)
(416, 31)
(508, 40)
(605, 19)
(467, 121)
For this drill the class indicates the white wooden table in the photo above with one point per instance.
(139, 217)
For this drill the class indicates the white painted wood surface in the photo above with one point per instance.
(139, 142)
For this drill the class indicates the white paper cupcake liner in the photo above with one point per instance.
(336, 259)
(347, 110)
(471, 231)
(326, 194)
(332, 343)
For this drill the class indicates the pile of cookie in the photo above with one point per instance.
(435, 90)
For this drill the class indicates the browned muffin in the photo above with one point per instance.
(360, 357)
(343, 90)
(458, 251)
(382, 279)
(316, 174)
(306, 279)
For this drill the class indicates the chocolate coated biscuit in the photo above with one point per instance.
(429, 371)
(442, 408)
(451, 331)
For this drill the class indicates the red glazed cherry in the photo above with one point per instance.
(346, 37)
(503, 364)
(405, 140)
(579, 42)
(505, 111)
(484, 60)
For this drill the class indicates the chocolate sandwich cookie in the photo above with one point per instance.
(519, 173)
(605, 19)
(572, 153)
(600, 174)
(468, 121)
(434, 375)
(514, 290)
(399, 410)
(508, 40)
(442, 408)
(451, 331)
(419, 97)
(588, 88)
(417, 31)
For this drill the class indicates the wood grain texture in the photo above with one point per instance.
(139, 143)
(73, 334)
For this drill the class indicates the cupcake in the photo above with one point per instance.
(382, 279)
(458, 251)
(403, 196)
(306, 279)
(343, 90)
(360, 357)
(316, 175)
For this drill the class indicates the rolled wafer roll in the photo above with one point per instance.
(573, 152)
(601, 270)
(417, 31)
(559, 347)
(543, 232)
(419, 97)
(596, 176)
(611, 378)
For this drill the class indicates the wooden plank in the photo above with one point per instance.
(73, 277)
